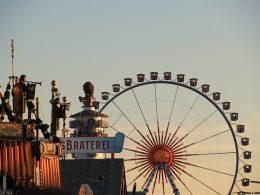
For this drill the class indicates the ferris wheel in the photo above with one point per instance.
(180, 137)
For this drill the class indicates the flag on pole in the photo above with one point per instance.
(12, 50)
(12, 58)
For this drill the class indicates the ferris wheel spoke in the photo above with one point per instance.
(177, 148)
(171, 141)
(117, 119)
(138, 176)
(150, 139)
(131, 132)
(199, 181)
(136, 167)
(190, 108)
(141, 155)
(178, 154)
(156, 111)
(169, 120)
(169, 137)
(143, 146)
(176, 175)
(142, 161)
(187, 114)
(179, 165)
(135, 151)
(155, 181)
(242, 161)
(193, 129)
(156, 138)
(134, 159)
(139, 106)
(178, 168)
(179, 158)
(161, 140)
(205, 168)
(241, 174)
(205, 154)
(243, 149)
(138, 143)
(132, 124)
(174, 146)
(238, 187)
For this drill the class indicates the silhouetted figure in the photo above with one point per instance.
(5, 106)
(55, 115)
(58, 111)
(30, 96)
(7, 93)
(19, 97)
(88, 89)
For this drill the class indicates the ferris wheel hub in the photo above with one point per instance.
(161, 154)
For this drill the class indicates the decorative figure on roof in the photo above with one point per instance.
(65, 105)
(43, 127)
(30, 96)
(7, 93)
(59, 110)
(55, 115)
(23, 94)
(54, 90)
(6, 98)
(5, 106)
(19, 97)
(2, 111)
(88, 100)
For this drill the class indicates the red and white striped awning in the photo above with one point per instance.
(16, 159)
(50, 171)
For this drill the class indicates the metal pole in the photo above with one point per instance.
(37, 115)
(12, 56)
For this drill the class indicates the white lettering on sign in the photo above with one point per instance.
(93, 144)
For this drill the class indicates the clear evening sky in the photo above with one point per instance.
(105, 41)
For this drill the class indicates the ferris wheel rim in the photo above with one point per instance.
(149, 82)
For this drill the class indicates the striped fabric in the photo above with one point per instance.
(50, 171)
(16, 159)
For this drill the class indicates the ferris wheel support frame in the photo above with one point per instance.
(196, 91)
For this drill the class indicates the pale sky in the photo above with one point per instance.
(105, 41)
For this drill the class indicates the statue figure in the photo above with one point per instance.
(19, 97)
(5, 107)
(54, 89)
(2, 110)
(7, 93)
(88, 100)
(55, 115)
(30, 96)
(59, 110)
(6, 98)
